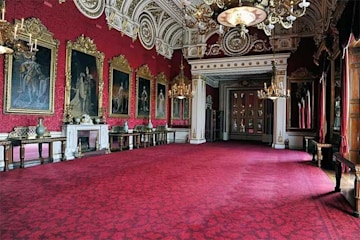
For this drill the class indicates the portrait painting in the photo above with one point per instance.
(30, 76)
(143, 92)
(176, 106)
(161, 96)
(120, 87)
(186, 108)
(84, 84)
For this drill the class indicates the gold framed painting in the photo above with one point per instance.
(143, 92)
(30, 75)
(175, 108)
(84, 78)
(161, 96)
(120, 74)
(186, 108)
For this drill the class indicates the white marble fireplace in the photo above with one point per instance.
(73, 131)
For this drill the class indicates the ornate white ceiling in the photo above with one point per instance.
(158, 23)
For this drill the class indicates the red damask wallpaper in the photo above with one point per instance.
(67, 23)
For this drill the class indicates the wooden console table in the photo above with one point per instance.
(7, 153)
(355, 169)
(318, 149)
(48, 140)
(123, 140)
(147, 139)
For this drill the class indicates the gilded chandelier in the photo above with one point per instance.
(274, 91)
(244, 13)
(181, 87)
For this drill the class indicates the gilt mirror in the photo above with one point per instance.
(300, 105)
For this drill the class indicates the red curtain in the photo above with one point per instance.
(322, 108)
(344, 148)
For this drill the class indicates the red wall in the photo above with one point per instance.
(67, 23)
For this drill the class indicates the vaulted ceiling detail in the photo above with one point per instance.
(158, 23)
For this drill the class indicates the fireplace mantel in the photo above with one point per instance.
(71, 133)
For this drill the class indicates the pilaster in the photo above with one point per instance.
(279, 129)
(197, 134)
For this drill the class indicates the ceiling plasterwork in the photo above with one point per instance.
(90, 8)
(158, 23)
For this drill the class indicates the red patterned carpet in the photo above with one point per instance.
(176, 191)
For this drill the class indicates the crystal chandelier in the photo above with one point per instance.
(274, 91)
(244, 13)
(9, 36)
(181, 86)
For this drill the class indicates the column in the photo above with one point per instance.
(197, 130)
(279, 129)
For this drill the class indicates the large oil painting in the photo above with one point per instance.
(84, 83)
(175, 108)
(119, 87)
(30, 75)
(161, 96)
(143, 92)
(186, 108)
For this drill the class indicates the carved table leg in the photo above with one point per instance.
(51, 151)
(121, 142)
(22, 155)
(40, 153)
(6, 157)
(63, 147)
(319, 156)
(137, 141)
(357, 192)
(338, 172)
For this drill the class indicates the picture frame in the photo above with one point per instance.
(84, 78)
(30, 76)
(301, 103)
(161, 96)
(143, 92)
(120, 87)
(175, 108)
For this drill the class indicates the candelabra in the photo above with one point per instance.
(274, 91)
(9, 41)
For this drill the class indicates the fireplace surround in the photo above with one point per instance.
(96, 137)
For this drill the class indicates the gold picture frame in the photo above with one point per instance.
(120, 87)
(30, 76)
(84, 78)
(143, 92)
(161, 96)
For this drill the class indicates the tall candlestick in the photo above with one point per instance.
(35, 47)
(30, 39)
(22, 23)
(15, 31)
(3, 14)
